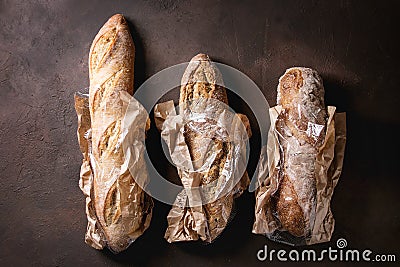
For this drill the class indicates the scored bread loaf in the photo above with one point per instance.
(121, 206)
(301, 130)
(203, 80)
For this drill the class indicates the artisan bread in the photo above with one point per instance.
(203, 80)
(120, 204)
(301, 130)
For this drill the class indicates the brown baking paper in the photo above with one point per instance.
(132, 140)
(329, 164)
(187, 219)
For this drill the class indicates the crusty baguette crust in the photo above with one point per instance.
(113, 50)
(111, 63)
(300, 133)
(202, 79)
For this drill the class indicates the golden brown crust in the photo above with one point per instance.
(112, 54)
(289, 86)
(289, 212)
(202, 79)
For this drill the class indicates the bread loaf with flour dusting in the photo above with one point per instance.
(301, 130)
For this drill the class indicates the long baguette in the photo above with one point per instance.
(121, 206)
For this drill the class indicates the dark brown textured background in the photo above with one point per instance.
(44, 49)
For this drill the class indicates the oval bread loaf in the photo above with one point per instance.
(301, 130)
